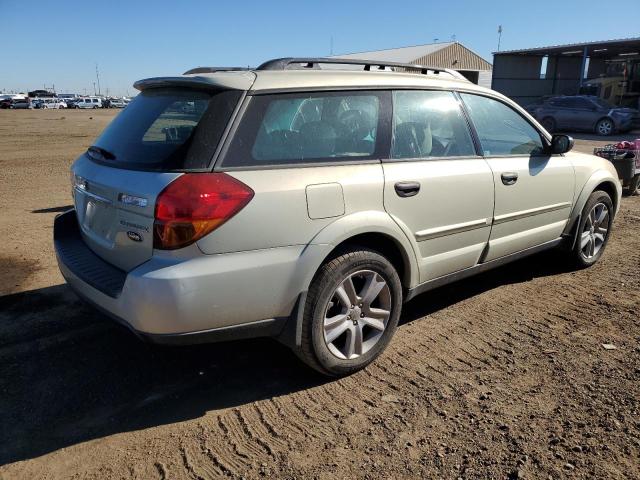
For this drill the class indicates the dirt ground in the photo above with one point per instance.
(500, 376)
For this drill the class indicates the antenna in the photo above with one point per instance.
(98, 79)
(453, 37)
(499, 36)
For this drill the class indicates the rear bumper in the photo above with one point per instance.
(176, 300)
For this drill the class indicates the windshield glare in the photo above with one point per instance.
(602, 103)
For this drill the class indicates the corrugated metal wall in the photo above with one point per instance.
(518, 76)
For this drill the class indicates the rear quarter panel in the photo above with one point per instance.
(279, 215)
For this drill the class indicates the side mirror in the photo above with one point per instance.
(561, 144)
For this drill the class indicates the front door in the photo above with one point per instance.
(533, 189)
(436, 188)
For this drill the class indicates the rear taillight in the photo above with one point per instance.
(194, 205)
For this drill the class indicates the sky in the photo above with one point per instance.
(47, 43)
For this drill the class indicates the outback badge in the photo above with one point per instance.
(135, 236)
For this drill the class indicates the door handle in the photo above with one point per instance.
(509, 178)
(407, 189)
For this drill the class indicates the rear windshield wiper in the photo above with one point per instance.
(101, 152)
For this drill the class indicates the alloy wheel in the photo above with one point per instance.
(594, 232)
(357, 314)
(605, 127)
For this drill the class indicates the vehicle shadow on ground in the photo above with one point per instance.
(68, 374)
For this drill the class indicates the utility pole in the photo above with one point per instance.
(98, 79)
(499, 36)
(94, 88)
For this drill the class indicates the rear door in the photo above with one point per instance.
(437, 188)
(533, 189)
(164, 132)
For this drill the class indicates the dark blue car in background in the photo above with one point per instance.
(583, 113)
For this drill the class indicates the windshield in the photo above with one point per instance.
(167, 129)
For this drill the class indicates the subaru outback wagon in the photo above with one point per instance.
(308, 204)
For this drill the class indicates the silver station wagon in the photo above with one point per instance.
(308, 199)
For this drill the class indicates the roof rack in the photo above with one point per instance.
(215, 69)
(283, 63)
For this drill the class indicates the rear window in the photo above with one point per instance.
(167, 129)
(307, 128)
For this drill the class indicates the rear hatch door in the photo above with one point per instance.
(163, 133)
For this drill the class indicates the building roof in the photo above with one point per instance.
(604, 48)
(444, 55)
(402, 54)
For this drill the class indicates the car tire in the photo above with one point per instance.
(549, 124)
(593, 230)
(361, 330)
(605, 127)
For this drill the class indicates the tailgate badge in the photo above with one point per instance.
(135, 236)
(132, 200)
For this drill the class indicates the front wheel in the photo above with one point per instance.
(605, 127)
(351, 312)
(594, 229)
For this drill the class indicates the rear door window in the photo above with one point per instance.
(298, 128)
(167, 129)
(501, 130)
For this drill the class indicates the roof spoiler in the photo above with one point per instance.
(237, 82)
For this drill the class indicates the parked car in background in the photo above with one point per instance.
(71, 102)
(336, 197)
(89, 102)
(583, 113)
(119, 103)
(21, 104)
(52, 103)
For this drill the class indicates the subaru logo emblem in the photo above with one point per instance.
(135, 236)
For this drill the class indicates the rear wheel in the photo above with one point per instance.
(594, 229)
(604, 127)
(549, 124)
(351, 312)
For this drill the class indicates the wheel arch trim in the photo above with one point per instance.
(348, 227)
(596, 181)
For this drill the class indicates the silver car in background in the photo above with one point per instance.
(307, 205)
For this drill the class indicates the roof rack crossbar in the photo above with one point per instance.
(215, 69)
(283, 63)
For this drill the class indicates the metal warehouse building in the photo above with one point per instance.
(609, 69)
(444, 55)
